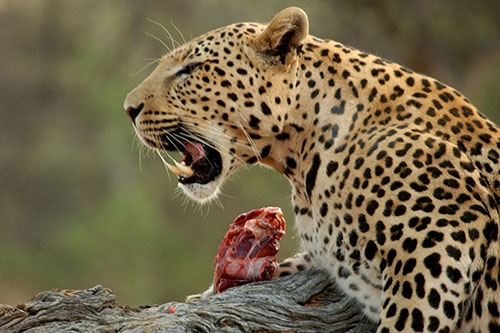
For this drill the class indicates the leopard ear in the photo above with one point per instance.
(284, 34)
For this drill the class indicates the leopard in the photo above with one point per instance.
(394, 175)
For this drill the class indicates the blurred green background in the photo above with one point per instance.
(79, 206)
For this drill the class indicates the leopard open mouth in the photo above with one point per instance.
(200, 164)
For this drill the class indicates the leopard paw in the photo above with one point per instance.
(299, 262)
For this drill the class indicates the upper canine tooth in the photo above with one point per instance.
(184, 169)
(174, 169)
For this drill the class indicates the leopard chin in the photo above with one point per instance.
(202, 193)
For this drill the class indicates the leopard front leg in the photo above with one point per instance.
(297, 263)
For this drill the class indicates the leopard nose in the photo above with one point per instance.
(134, 111)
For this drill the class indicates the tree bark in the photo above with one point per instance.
(303, 302)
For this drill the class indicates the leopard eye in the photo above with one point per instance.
(187, 70)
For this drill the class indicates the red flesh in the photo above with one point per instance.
(248, 251)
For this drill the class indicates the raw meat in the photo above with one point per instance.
(248, 251)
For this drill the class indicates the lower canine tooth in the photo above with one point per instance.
(184, 169)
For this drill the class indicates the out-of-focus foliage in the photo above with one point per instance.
(79, 206)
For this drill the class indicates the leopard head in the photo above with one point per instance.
(220, 99)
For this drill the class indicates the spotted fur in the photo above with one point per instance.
(395, 175)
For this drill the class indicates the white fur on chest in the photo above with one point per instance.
(363, 285)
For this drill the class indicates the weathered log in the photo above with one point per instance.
(303, 302)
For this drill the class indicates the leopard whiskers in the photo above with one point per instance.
(159, 40)
(209, 127)
(171, 139)
(160, 151)
(192, 124)
(164, 163)
(215, 133)
(250, 141)
(189, 136)
(186, 136)
(217, 201)
(170, 37)
(178, 30)
(142, 150)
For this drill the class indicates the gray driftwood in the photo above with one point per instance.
(303, 302)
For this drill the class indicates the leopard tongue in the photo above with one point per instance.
(195, 149)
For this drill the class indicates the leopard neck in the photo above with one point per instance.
(322, 115)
